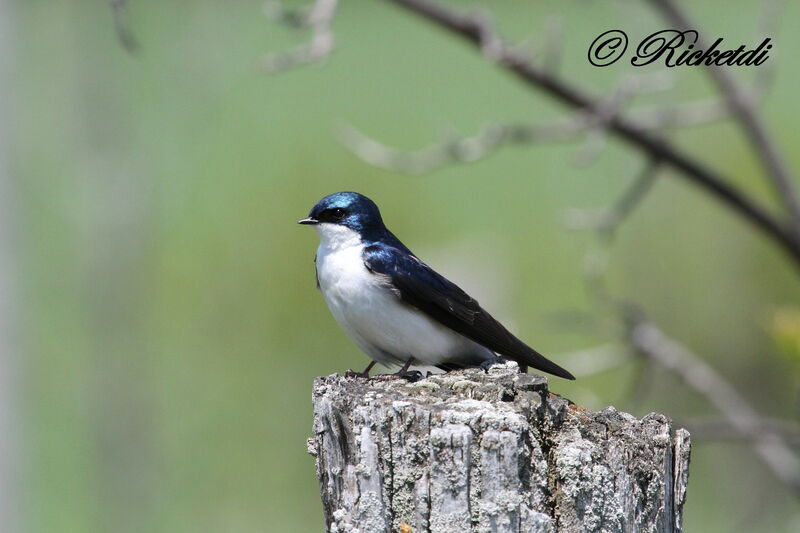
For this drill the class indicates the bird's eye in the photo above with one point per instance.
(337, 213)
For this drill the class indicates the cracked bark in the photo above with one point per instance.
(490, 452)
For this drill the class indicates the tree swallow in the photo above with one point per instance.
(396, 308)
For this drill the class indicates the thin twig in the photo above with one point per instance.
(119, 11)
(610, 107)
(630, 199)
(553, 48)
(318, 17)
(458, 150)
(769, 22)
(493, 137)
(683, 115)
(606, 223)
(489, 139)
(477, 31)
(741, 105)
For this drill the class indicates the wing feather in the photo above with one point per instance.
(420, 286)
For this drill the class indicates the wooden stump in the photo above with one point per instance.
(491, 452)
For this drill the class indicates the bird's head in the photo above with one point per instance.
(345, 214)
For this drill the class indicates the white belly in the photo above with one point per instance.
(389, 331)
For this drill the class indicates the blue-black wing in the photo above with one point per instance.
(418, 285)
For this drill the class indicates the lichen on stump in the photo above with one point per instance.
(490, 451)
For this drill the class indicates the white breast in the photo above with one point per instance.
(388, 330)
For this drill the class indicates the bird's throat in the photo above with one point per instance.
(335, 237)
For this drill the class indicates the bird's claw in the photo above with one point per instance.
(353, 374)
(487, 364)
(412, 376)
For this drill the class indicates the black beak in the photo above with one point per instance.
(309, 221)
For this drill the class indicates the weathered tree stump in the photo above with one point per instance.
(490, 451)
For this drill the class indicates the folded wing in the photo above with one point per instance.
(420, 286)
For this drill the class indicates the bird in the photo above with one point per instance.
(397, 309)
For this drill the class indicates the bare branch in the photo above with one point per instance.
(612, 218)
(682, 115)
(741, 105)
(769, 23)
(477, 31)
(119, 10)
(548, 49)
(607, 109)
(493, 137)
(590, 126)
(458, 150)
(553, 48)
(318, 17)
(770, 445)
(648, 340)
(697, 113)
(595, 261)
(593, 127)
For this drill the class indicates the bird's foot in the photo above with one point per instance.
(353, 374)
(365, 374)
(412, 376)
(487, 364)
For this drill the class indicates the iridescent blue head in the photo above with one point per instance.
(350, 210)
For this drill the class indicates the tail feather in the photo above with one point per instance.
(536, 360)
(533, 359)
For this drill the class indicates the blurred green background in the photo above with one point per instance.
(167, 328)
